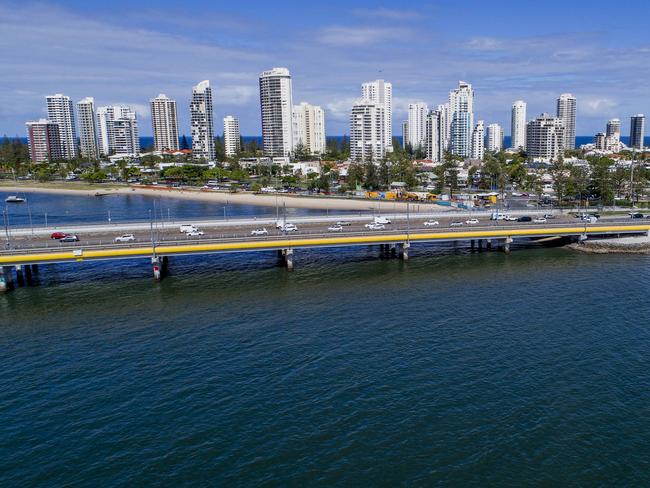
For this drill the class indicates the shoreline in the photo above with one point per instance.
(240, 198)
(622, 245)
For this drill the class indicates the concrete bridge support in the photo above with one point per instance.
(20, 277)
(404, 251)
(288, 259)
(6, 279)
(157, 268)
(506, 245)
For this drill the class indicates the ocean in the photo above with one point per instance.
(456, 367)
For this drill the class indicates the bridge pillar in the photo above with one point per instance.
(20, 277)
(164, 266)
(6, 279)
(506, 244)
(393, 249)
(582, 238)
(480, 244)
(35, 268)
(155, 263)
(471, 243)
(488, 244)
(28, 274)
(404, 251)
(288, 259)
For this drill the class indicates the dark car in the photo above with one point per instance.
(637, 216)
(524, 218)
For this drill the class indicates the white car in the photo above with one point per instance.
(125, 238)
(373, 226)
(289, 228)
(194, 233)
(539, 220)
(343, 223)
(260, 232)
(335, 228)
(510, 218)
(431, 223)
(471, 221)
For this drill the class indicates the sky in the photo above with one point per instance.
(127, 52)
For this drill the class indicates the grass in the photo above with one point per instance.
(60, 185)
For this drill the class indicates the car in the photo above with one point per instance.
(524, 218)
(471, 221)
(382, 220)
(260, 232)
(125, 238)
(510, 218)
(279, 224)
(195, 233)
(335, 228)
(497, 216)
(431, 223)
(456, 224)
(589, 218)
(69, 238)
(58, 235)
(188, 228)
(373, 226)
(540, 220)
(289, 228)
(549, 216)
(637, 216)
(344, 223)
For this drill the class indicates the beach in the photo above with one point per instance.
(244, 198)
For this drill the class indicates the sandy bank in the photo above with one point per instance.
(243, 198)
(623, 245)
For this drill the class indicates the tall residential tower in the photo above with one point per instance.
(309, 128)
(202, 122)
(88, 139)
(60, 111)
(518, 125)
(164, 123)
(637, 131)
(231, 136)
(276, 104)
(566, 112)
(380, 92)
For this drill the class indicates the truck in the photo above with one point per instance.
(185, 228)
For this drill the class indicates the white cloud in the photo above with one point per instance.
(338, 35)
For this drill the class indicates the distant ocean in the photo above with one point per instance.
(580, 140)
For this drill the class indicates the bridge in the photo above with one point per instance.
(26, 248)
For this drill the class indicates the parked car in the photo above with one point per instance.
(456, 224)
(125, 238)
(344, 223)
(58, 235)
(374, 226)
(524, 218)
(471, 221)
(69, 238)
(260, 232)
(431, 223)
(540, 220)
(335, 228)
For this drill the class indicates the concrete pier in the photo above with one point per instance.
(288, 259)
(155, 264)
(404, 251)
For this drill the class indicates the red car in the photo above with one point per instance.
(58, 235)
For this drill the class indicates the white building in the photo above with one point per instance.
(61, 112)
(435, 134)
(164, 123)
(309, 128)
(202, 122)
(367, 126)
(231, 136)
(114, 119)
(461, 119)
(44, 141)
(88, 139)
(518, 125)
(614, 129)
(276, 104)
(478, 141)
(381, 92)
(566, 112)
(494, 137)
(417, 125)
(545, 137)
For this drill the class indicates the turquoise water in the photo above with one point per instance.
(458, 368)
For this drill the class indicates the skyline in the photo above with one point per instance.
(151, 53)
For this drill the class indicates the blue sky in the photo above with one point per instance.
(130, 51)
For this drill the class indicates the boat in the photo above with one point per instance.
(15, 199)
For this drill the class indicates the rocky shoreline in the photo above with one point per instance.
(613, 247)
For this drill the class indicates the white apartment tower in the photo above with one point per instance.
(461, 119)
(88, 139)
(44, 142)
(117, 131)
(276, 104)
(309, 128)
(518, 125)
(494, 138)
(614, 129)
(231, 136)
(478, 141)
(545, 137)
(566, 112)
(61, 112)
(202, 122)
(381, 92)
(367, 126)
(435, 134)
(417, 125)
(164, 123)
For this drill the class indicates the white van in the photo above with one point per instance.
(382, 220)
(188, 228)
